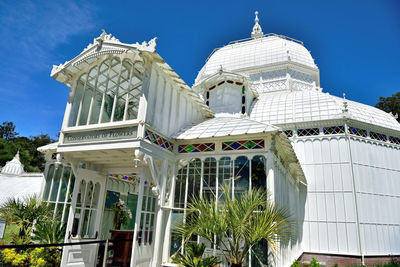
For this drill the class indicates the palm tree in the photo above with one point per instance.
(24, 213)
(235, 225)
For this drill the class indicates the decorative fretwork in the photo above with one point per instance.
(207, 147)
(357, 131)
(242, 145)
(158, 140)
(394, 140)
(334, 130)
(288, 133)
(308, 132)
(378, 136)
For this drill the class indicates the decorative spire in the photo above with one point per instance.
(345, 109)
(257, 31)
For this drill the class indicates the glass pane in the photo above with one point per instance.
(89, 194)
(71, 187)
(134, 96)
(64, 184)
(100, 89)
(96, 196)
(85, 229)
(176, 242)
(112, 83)
(77, 100)
(209, 178)
(56, 183)
(242, 174)
(87, 99)
(225, 169)
(180, 188)
(122, 91)
(81, 192)
(75, 223)
(66, 213)
(49, 178)
(258, 176)
(194, 179)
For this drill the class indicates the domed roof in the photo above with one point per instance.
(256, 53)
(13, 167)
(283, 107)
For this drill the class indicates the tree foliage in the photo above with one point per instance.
(24, 213)
(390, 104)
(7, 130)
(237, 224)
(11, 143)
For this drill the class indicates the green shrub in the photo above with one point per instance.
(45, 257)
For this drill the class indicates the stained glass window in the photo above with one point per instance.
(334, 130)
(206, 147)
(242, 145)
(158, 140)
(378, 136)
(357, 131)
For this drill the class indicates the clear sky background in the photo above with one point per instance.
(356, 44)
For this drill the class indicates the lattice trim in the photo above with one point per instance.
(394, 140)
(378, 136)
(158, 140)
(190, 148)
(308, 132)
(357, 131)
(243, 145)
(288, 133)
(334, 130)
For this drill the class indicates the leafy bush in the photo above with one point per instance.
(38, 257)
(45, 257)
(50, 232)
(194, 257)
(15, 258)
(313, 263)
(296, 263)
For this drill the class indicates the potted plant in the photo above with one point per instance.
(122, 214)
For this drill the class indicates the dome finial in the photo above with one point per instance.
(257, 31)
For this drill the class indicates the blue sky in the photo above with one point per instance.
(354, 43)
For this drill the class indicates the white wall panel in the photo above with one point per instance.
(332, 238)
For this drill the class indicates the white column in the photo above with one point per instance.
(271, 175)
(159, 233)
(167, 235)
(135, 245)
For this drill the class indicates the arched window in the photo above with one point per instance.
(109, 92)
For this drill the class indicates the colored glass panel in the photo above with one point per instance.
(334, 130)
(158, 140)
(357, 131)
(243, 145)
(206, 147)
(377, 136)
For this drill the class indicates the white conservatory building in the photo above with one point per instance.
(256, 116)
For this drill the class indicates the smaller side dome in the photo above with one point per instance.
(13, 167)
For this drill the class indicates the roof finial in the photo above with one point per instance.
(257, 31)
